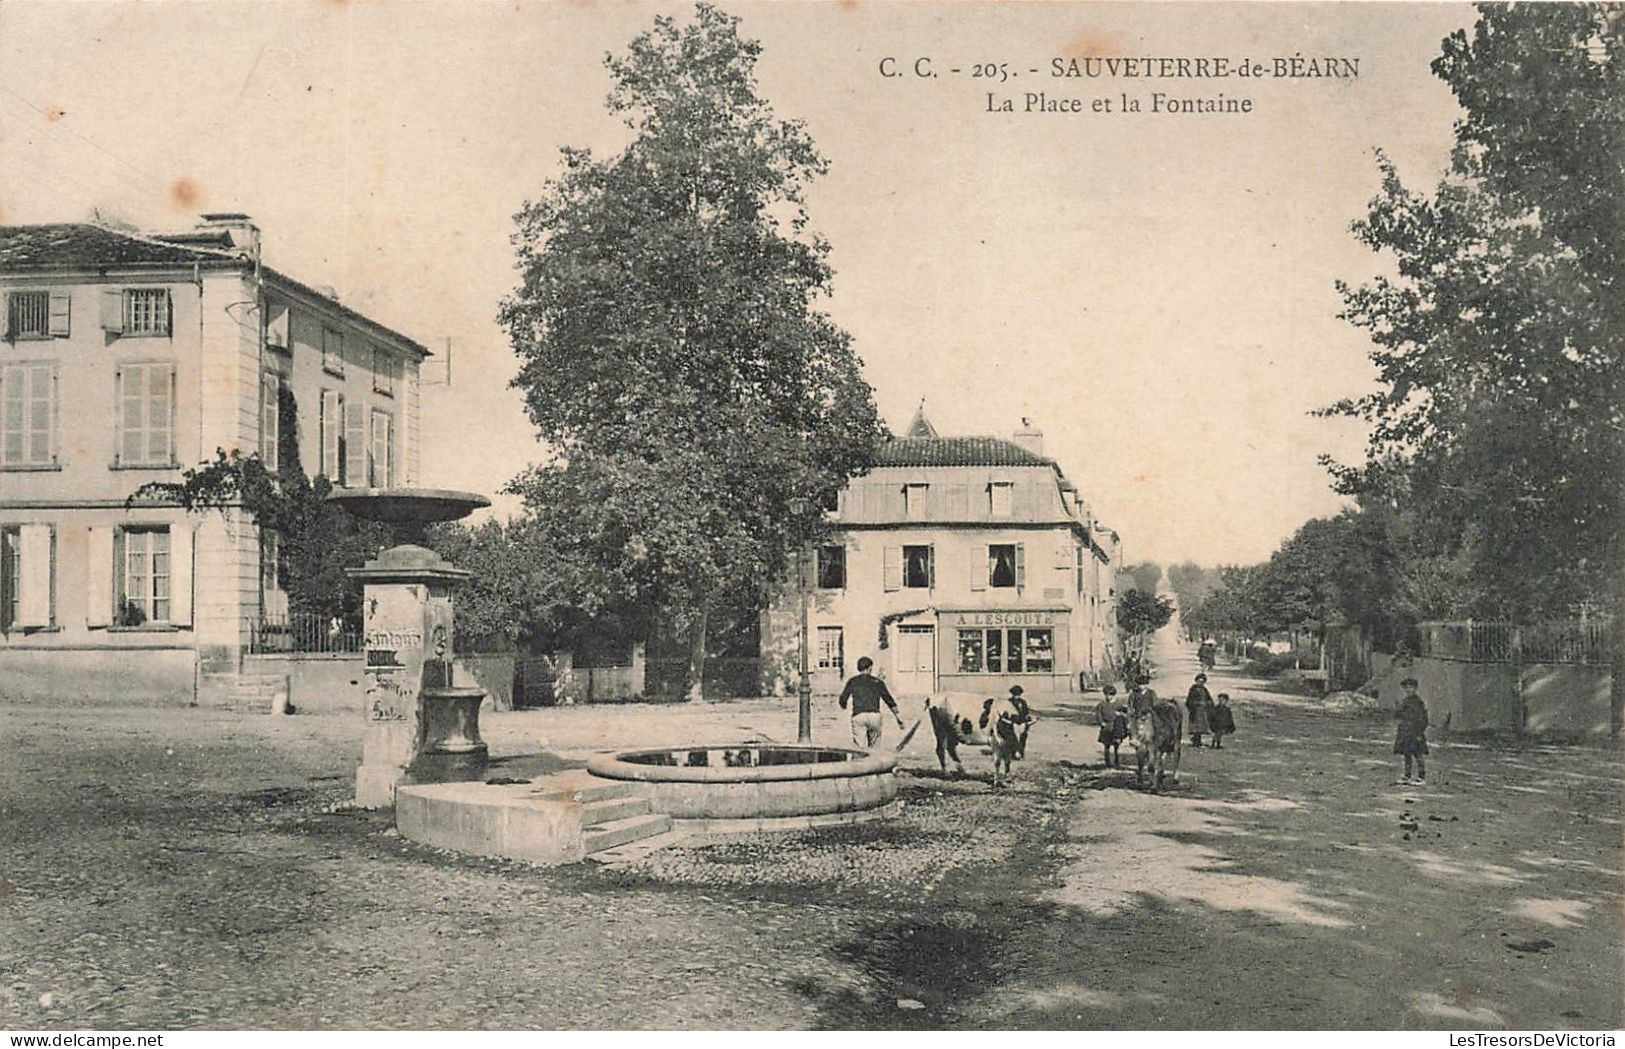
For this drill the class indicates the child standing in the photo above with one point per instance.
(1411, 737)
(1113, 726)
(1222, 722)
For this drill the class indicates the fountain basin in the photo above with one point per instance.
(758, 786)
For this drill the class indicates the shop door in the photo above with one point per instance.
(914, 667)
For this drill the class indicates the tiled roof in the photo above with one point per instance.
(71, 246)
(81, 246)
(956, 451)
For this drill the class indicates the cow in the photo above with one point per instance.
(1001, 725)
(1156, 736)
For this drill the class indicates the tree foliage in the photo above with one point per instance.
(701, 408)
(1141, 612)
(1500, 413)
(1145, 576)
(318, 540)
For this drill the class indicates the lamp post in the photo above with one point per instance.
(804, 682)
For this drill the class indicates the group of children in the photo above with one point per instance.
(1208, 717)
(1213, 717)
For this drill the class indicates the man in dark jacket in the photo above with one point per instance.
(867, 692)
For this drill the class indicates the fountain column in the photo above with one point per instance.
(420, 727)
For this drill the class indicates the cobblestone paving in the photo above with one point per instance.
(188, 869)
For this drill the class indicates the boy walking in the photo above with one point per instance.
(866, 693)
(1411, 738)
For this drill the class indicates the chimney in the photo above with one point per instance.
(244, 234)
(1030, 437)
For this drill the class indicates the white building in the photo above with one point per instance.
(125, 358)
(961, 564)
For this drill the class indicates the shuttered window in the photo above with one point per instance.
(143, 571)
(28, 314)
(1001, 498)
(382, 459)
(383, 372)
(146, 414)
(356, 452)
(332, 426)
(1006, 565)
(28, 415)
(333, 350)
(146, 311)
(270, 418)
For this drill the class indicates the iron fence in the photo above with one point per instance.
(302, 632)
(1584, 642)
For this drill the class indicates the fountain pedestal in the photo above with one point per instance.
(420, 727)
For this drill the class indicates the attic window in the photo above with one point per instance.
(914, 496)
(1000, 498)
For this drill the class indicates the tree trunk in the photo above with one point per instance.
(1616, 688)
(696, 657)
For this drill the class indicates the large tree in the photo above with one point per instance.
(1501, 408)
(702, 411)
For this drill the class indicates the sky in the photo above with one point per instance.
(1155, 291)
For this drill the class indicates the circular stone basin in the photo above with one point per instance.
(762, 783)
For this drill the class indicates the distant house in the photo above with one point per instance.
(961, 564)
(125, 357)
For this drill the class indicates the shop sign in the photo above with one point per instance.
(1002, 618)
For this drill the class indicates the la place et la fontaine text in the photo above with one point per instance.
(1159, 102)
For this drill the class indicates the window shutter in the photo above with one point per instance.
(99, 578)
(60, 304)
(180, 573)
(113, 310)
(931, 565)
(169, 313)
(34, 588)
(978, 570)
(332, 419)
(5, 315)
(1021, 565)
(355, 446)
(892, 568)
(270, 415)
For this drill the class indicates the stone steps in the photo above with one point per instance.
(633, 851)
(607, 810)
(596, 838)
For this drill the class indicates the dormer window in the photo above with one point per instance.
(914, 496)
(1001, 498)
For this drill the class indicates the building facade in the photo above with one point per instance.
(125, 358)
(960, 564)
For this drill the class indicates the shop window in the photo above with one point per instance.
(1039, 652)
(831, 567)
(917, 566)
(970, 652)
(831, 650)
(1009, 650)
